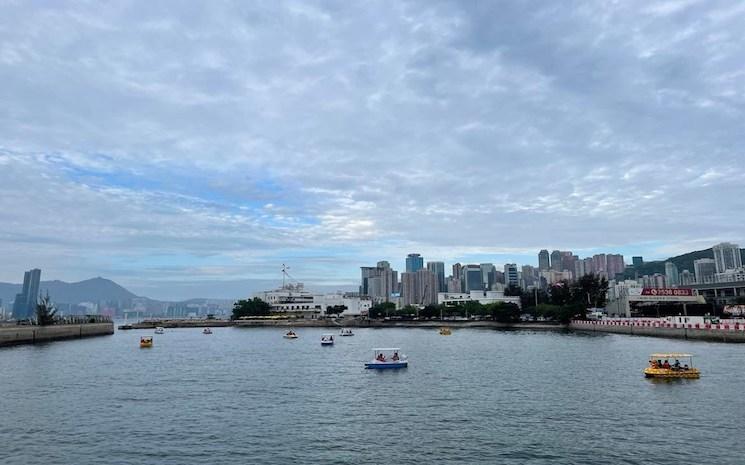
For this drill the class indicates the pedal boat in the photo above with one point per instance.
(686, 370)
(384, 359)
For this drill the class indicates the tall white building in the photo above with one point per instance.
(727, 257)
(671, 273)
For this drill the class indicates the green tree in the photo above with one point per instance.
(382, 309)
(45, 312)
(251, 307)
(590, 290)
(430, 311)
(560, 293)
(504, 312)
(473, 307)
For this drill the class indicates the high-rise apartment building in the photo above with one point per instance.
(409, 289)
(458, 271)
(687, 278)
(544, 260)
(414, 263)
(379, 282)
(567, 261)
(705, 269)
(727, 257)
(438, 269)
(556, 260)
(637, 261)
(454, 285)
(600, 264)
(419, 288)
(588, 265)
(614, 264)
(671, 273)
(24, 305)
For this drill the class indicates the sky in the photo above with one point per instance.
(165, 144)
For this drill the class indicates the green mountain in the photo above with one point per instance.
(683, 262)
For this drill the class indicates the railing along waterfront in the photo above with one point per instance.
(723, 325)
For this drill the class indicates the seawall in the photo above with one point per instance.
(14, 335)
(709, 332)
(338, 323)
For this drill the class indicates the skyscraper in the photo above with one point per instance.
(378, 282)
(427, 282)
(544, 260)
(409, 289)
(704, 269)
(671, 274)
(414, 263)
(727, 256)
(600, 264)
(419, 288)
(637, 261)
(438, 269)
(614, 265)
(511, 276)
(556, 260)
(472, 278)
(458, 271)
(488, 274)
(24, 305)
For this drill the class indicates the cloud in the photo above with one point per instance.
(206, 142)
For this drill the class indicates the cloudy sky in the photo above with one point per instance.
(165, 144)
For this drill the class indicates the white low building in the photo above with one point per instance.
(294, 299)
(356, 305)
(482, 297)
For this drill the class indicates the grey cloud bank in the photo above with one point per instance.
(171, 142)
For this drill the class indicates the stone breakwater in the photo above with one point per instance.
(723, 332)
(15, 335)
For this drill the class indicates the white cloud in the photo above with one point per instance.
(232, 136)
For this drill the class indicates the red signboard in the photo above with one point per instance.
(667, 292)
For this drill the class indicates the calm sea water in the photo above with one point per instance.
(248, 396)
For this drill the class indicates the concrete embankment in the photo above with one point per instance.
(354, 323)
(152, 324)
(718, 333)
(14, 335)
(338, 323)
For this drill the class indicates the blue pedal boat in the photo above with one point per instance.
(386, 359)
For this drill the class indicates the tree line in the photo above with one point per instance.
(560, 302)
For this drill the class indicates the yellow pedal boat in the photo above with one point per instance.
(444, 331)
(146, 342)
(661, 368)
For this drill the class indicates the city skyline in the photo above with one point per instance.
(176, 148)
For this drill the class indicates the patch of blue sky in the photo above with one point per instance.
(251, 198)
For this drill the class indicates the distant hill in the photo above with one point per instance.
(90, 290)
(683, 262)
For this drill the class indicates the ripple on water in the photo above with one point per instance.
(479, 396)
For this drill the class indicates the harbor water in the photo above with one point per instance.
(249, 396)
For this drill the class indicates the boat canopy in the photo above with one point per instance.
(671, 355)
(391, 349)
